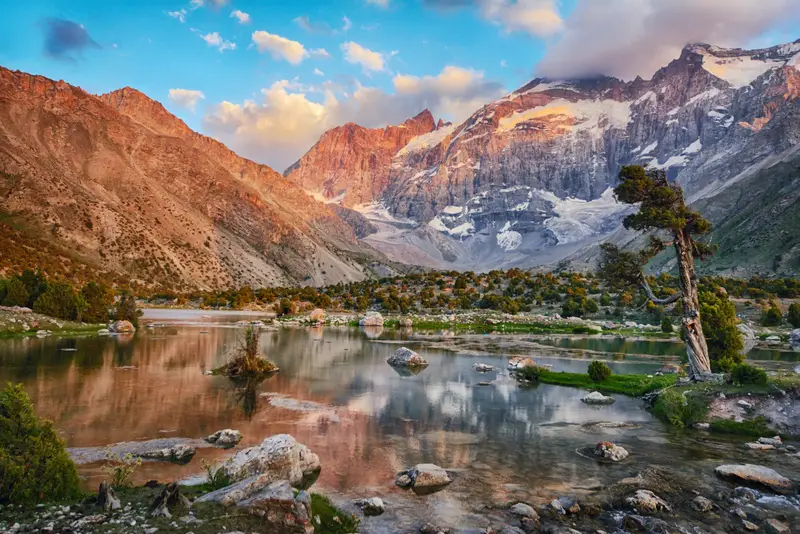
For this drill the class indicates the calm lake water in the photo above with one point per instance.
(336, 394)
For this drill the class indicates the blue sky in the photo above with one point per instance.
(272, 95)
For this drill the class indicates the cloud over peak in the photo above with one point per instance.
(280, 47)
(186, 98)
(357, 54)
(63, 38)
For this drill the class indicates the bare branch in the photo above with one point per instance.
(649, 292)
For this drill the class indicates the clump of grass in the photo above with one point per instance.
(246, 361)
(759, 426)
(329, 519)
(599, 371)
(120, 468)
(681, 409)
(216, 476)
(530, 373)
(632, 385)
(744, 373)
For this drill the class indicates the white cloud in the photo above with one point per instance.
(216, 4)
(319, 72)
(287, 121)
(355, 53)
(243, 17)
(347, 24)
(320, 52)
(539, 18)
(380, 3)
(503, 63)
(214, 39)
(625, 38)
(186, 98)
(180, 14)
(280, 47)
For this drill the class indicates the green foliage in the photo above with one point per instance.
(772, 316)
(680, 409)
(98, 298)
(16, 294)
(666, 325)
(633, 385)
(120, 468)
(744, 373)
(126, 309)
(605, 299)
(216, 477)
(619, 269)
(329, 519)
(529, 372)
(58, 300)
(246, 362)
(757, 427)
(599, 371)
(793, 316)
(284, 307)
(724, 340)
(34, 465)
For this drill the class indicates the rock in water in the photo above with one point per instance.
(122, 327)
(777, 527)
(647, 501)
(371, 319)
(406, 322)
(106, 498)
(405, 357)
(424, 478)
(701, 504)
(280, 457)
(169, 499)
(225, 438)
(595, 397)
(482, 367)
(518, 362)
(281, 509)
(179, 454)
(524, 510)
(372, 506)
(317, 315)
(794, 338)
(610, 451)
(757, 475)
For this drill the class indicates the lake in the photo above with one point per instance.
(336, 394)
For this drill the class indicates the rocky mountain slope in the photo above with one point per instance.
(128, 188)
(526, 179)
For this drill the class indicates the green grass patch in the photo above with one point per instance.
(756, 427)
(331, 519)
(632, 385)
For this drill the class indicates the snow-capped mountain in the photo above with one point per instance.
(527, 179)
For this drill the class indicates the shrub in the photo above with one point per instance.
(99, 299)
(599, 371)
(120, 469)
(330, 519)
(59, 301)
(529, 372)
(794, 315)
(772, 316)
(126, 309)
(34, 465)
(246, 361)
(666, 325)
(16, 294)
(216, 476)
(679, 409)
(744, 373)
(724, 340)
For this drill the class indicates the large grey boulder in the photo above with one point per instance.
(755, 475)
(597, 398)
(371, 319)
(281, 509)
(280, 457)
(405, 357)
(647, 501)
(238, 491)
(794, 338)
(424, 478)
(225, 438)
(610, 451)
(179, 454)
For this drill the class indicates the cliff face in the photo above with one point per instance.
(133, 190)
(350, 163)
(526, 179)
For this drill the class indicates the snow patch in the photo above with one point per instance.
(588, 114)
(452, 210)
(578, 219)
(694, 148)
(427, 141)
(672, 161)
(649, 148)
(739, 71)
(509, 240)
(711, 93)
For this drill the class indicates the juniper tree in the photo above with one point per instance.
(662, 209)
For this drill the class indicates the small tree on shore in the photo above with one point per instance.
(662, 209)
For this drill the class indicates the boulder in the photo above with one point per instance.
(179, 454)
(518, 362)
(524, 510)
(671, 369)
(756, 475)
(759, 447)
(565, 505)
(794, 338)
(238, 491)
(317, 315)
(647, 501)
(280, 457)
(371, 506)
(282, 510)
(595, 397)
(773, 526)
(406, 322)
(482, 367)
(226, 438)
(371, 319)
(748, 337)
(701, 504)
(424, 478)
(775, 441)
(610, 451)
(405, 357)
(121, 327)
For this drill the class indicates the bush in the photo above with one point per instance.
(599, 371)
(99, 299)
(126, 309)
(34, 465)
(59, 301)
(679, 409)
(772, 316)
(725, 345)
(794, 315)
(529, 372)
(246, 361)
(330, 519)
(666, 325)
(16, 294)
(120, 469)
(215, 475)
(744, 373)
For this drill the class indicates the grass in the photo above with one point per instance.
(331, 519)
(632, 385)
(756, 427)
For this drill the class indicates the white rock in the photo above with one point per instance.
(405, 357)
(280, 456)
(595, 397)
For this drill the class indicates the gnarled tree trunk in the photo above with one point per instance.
(696, 347)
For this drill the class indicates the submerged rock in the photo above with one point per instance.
(756, 475)
(595, 397)
(482, 367)
(647, 501)
(179, 454)
(405, 357)
(701, 504)
(424, 478)
(280, 457)
(610, 451)
(371, 506)
(565, 505)
(225, 438)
